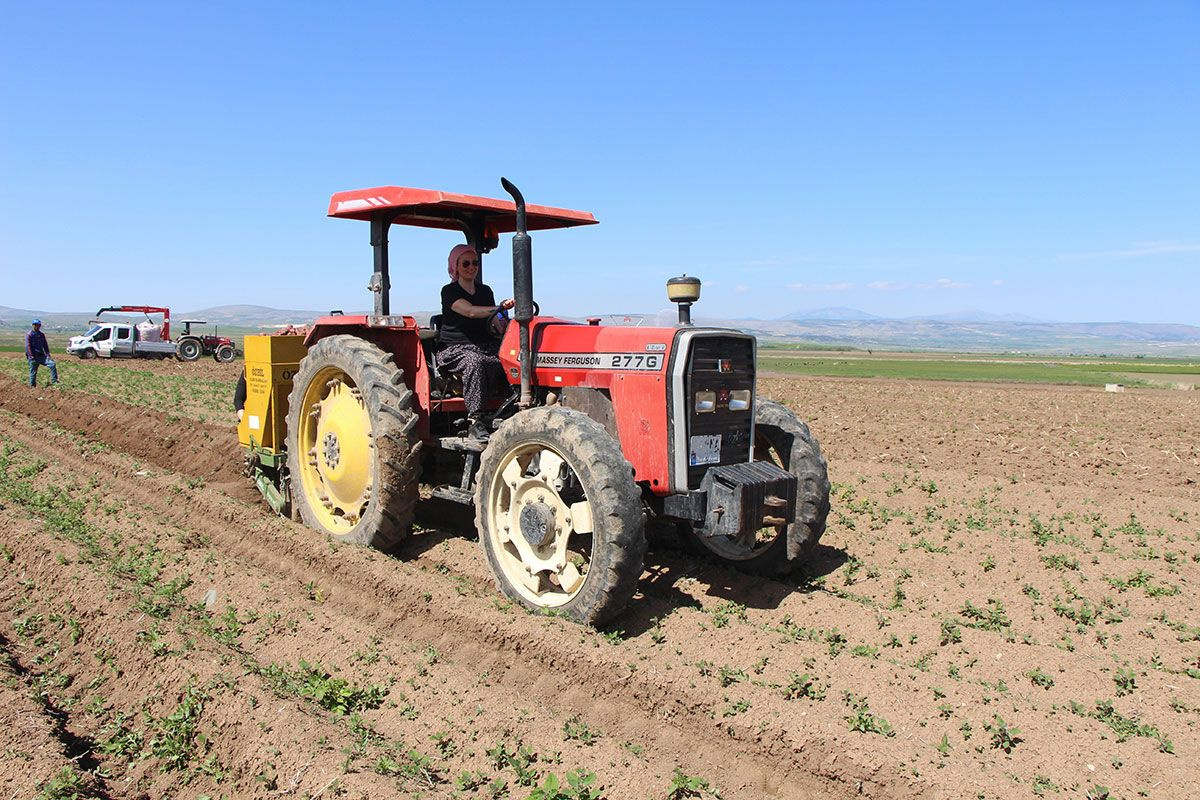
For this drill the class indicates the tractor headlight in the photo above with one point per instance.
(706, 402)
(739, 400)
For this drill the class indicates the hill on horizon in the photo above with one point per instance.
(830, 312)
(947, 332)
(842, 313)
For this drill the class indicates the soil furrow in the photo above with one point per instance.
(541, 659)
(1003, 605)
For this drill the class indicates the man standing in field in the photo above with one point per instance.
(37, 351)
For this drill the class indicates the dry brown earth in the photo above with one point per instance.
(1003, 606)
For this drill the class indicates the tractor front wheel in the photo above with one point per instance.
(559, 515)
(188, 349)
(779, 437)
(353, 448)
(224, 353)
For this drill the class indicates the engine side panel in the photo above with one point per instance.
(630, 363)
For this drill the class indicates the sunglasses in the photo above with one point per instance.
(469, 263)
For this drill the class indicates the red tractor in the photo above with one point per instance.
(191, 346)
(599, 429)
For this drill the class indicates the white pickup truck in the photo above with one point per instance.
(117, 340)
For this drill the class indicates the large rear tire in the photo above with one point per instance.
(559, 515)
(353, 448)
(188, 349)
(779, 437)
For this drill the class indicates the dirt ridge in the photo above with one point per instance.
(524, 651)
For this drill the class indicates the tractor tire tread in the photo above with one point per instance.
(808, 464)
(802, 457)
(395, 486)
(618, 537)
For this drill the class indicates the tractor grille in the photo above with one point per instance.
(719, 364)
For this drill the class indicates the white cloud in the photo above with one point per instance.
(945, 283)
(741, 287)
(1137, 250)
(998, 282)
(820, 287)
(940, 283)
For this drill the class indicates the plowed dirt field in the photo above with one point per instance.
(1004, 605)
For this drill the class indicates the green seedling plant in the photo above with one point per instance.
(685, 786)
(803, 686)
(1039, 678)
(861, 720)
(1003, 736)
(580, 785)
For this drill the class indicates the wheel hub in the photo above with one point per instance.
(537, 523)
(332, 450)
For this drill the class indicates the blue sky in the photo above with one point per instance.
(900, 158)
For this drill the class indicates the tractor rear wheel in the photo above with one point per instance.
(353, 448)
(779, 437)
(559, 515)
(224, 353)
(188, 349)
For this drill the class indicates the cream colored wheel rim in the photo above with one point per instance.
(540, 524)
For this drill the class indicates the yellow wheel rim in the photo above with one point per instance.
(336, 451)
(540, 530)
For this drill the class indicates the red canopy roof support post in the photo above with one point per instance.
(381, 284)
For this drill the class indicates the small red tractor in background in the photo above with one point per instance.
(599, 429)
(191, 346)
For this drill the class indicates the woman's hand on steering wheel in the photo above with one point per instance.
(497, 321)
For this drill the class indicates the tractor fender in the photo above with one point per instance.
(596, 403)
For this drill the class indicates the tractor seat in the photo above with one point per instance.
(443, 384)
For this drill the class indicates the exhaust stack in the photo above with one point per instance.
(522, 248)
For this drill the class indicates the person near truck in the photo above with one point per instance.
(466, 345)
(37, 352)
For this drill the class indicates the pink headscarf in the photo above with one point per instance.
(455, 254)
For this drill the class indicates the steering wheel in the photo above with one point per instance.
(497, 322)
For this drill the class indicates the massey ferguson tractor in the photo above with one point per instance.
(600, 428)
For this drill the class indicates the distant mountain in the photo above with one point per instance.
(248, 316)
(1114, 338)
(967, 331)
(841, 313)
(51, 320)
(976, 315)
(833, 313)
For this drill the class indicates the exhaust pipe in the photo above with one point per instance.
(522, 247)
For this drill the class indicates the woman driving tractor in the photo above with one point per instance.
(468, 347)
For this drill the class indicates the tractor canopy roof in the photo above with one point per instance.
(429, 208)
